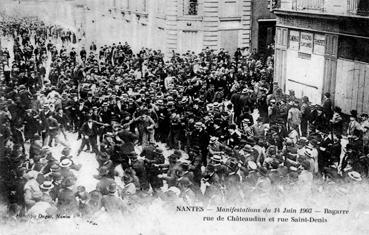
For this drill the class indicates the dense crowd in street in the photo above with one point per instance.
(232, 130)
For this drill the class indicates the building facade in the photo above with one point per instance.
(178, 25)
(323, 46)
(168, 25)
(182, 25)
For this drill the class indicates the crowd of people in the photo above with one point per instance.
(230, 130)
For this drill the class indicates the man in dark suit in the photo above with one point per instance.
(325, 153)
(44, 114)
(89, 132)
(153, 156)
(328, 106)
(52, 130)
(63, 122)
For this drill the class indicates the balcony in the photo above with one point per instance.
(351, 8)
(190, 8)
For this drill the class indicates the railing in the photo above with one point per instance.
(308, 5)
(190, 7)
(339, 7)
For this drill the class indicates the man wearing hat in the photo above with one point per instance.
(25, 97)
(305, 115)
(30, 188)
(42, 207)
(36, 146)
(67, 203)
(32, 125)
(52, 127)
(319, 120)
(211, 182)
(82, 197)
(294, 116)
(146, 128)
(365, 125)
(259, 128)
(73, 112)
(63, 122)
(234, 136)
(152, 157)
(105, 179)
(172, 174)
(52, 169)
(46, 187)
(111, 203)
(215, 147)
(356, 141)
(89, 132)
(163, 120)
(200, 138)
(139, 166)
(175, 128)
(327, 105)
(65, 169)
(353, 124)
(249, 173)
(106, 113)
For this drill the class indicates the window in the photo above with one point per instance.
(353, 48)
(229, 40)
(190, 40)
(190, 7)
(229, 8)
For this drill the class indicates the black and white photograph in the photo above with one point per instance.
(184, 117)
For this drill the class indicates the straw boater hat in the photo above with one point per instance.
(46, 185)
(216, 158)
(65, 163)
(355, 176)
